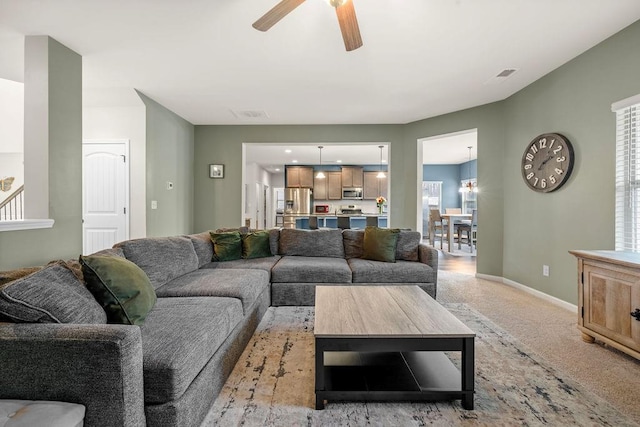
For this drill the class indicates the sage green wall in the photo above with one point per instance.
(169, 158)
(489, 121)
(218, 201)
(574, 100)
(64, 240)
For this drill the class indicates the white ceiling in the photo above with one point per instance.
(203, 60)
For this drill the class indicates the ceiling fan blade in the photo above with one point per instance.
(349, 25)
(278, 12)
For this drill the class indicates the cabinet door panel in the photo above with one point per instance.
(320, 188)
(610, 296)
(334, 183)
(306, 177)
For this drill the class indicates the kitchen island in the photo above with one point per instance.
(331, 221)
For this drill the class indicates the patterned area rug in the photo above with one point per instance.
(273, 385)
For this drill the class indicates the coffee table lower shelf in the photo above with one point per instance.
(390, 376)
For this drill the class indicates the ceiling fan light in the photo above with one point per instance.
(381, 175)
(320, 175)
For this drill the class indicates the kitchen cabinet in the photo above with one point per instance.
(609, 298)
(352, 176)
(334, 185)
(374, 186)
(329, 188)
(299, 176)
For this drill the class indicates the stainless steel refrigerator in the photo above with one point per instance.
(297, 202)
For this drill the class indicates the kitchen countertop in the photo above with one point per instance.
(329, 215)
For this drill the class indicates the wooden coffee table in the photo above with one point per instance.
(384, 343)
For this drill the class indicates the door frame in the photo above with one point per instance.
(127, 201)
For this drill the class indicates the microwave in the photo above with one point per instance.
(322, 208)
(352, 193)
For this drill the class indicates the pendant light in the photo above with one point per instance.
(320, 175)
(468, 187)
(381, 173)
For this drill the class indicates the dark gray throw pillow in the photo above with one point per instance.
(51, 295)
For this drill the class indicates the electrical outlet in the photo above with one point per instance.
(154, 204)
(169, 185)
(545, 270)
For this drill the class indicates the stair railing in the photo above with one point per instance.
(13, 207)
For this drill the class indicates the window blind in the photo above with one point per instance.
(627, 209)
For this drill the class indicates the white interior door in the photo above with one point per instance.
(105, 194)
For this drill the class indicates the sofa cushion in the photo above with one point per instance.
(203, 246)
(407, 246)
(50, 295)
(161, 258)
(291, 269)
(265, 264)
(179, 337)
(274, 240)
(311, 243)
(256, 245)
(245, 285)
(379, 244)
(352, 241)
(368, 271)
(121, 288)
(227, 245)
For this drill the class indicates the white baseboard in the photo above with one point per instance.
(556, 301)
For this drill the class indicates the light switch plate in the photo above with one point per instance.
(154, 204)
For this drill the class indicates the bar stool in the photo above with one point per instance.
(344, 222)
(372, 221)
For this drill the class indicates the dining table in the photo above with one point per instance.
(451, 218)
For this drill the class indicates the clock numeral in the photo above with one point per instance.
(561, 159)
(528, 166)
(535, 182)
(534, 149)
(552, 179)
(543, 143)
(559, 171)
(530, 175)
(543, 183)
(552, 142)
(557, 149)
(529, 157)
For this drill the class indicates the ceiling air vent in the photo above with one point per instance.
(501, 76)
(250, 114)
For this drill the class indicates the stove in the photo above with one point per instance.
(351, 210)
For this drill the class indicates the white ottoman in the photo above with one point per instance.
(40, 413)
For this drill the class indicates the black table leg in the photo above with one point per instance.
(468, 373)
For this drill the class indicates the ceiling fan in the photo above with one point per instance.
(344, 9)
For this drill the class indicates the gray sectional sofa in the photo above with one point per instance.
(168, 371)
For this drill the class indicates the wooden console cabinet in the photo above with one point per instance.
(609, 298)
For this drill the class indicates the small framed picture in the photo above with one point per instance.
(216, 171)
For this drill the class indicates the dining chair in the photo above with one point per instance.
(469, 228)
(456, 224)
(436, 221)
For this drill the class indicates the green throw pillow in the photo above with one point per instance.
(380, 244)
(256, 245)
(226, 246)
(121, 287)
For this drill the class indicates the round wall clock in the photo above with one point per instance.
(547, 162)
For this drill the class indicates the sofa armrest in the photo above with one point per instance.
(428, 255)
(99, 366)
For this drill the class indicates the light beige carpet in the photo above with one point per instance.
(516, 384)
(550, 331)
